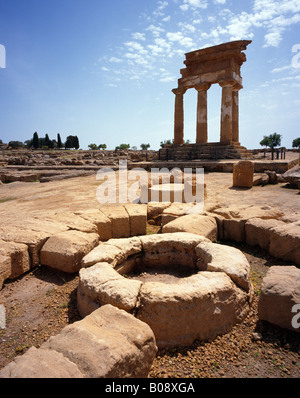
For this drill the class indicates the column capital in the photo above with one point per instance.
(203, 86)
(181, 90)
(237, 87)
(227, 82)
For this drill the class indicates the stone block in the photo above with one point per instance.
(243, 173)
(41, 363)
(101, 221)
(285, 242)
(137, 218)
(19, 258)
(109, 343)
(64, 251)
(279, 293)
(120, 223)
(258, 232)
(195, 224)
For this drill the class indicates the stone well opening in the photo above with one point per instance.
(182, 285)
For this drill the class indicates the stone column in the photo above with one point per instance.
(179, 116)
(201, 137)
(226, 111)
(235, 113)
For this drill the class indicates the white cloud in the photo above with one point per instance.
(193, 4)
(135, 46)
(156, 30)
(115, 60)
(139, 36)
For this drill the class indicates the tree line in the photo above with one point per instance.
(72, 142)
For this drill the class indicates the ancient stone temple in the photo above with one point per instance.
(221, 65)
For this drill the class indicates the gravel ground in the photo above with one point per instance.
(42, 302)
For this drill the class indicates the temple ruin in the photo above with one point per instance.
(221, 65)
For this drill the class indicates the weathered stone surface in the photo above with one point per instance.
(159, 304)
(73, 221)
(246, 212)
(137, 218)
(220, 258)
(243, 173)
(258, 232)
(64, 251)
(103, 253)
(5, 268)
(101, 221)
(108, 343)
(169, 249)
(41, 363)
(293, 176)
(285, 242)
(33, 239)
(195, 224)
(279, 293)
(155, 209)
(236, 217)
(119, 218)
(198, 307)
(19, 258)
(103, 285)
(174, 211)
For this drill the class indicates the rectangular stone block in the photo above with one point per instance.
(19, 257)
(258, 232)
(137, 218)
(102, 222)
(120, 223)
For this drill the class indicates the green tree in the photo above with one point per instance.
(72, 142)
(166, 142)
(35, 141)
(102, 146)
(296, 143)
(272, 141)
(93, 147)
(145, 147)
(59, 143)
(16, 144)
(122, 147)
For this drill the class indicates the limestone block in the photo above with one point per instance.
(285, 242)
(137, 218)
(203, 305)
(234, 230)
(103, 253)
(220, 258)
(154, 209)
(101, 221)
(258, 232)
(41, 363)
(33, 239)
(171, 248)
(120, 224)
(5, 268)
(74, 221)
(279, 293)
(109, 343)
(19, 258)
(243, 173)
(195, 224)
(246, 212)
(175, 210)
(103, 285)
(64, 251)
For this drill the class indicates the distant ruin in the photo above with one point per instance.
(221, 65)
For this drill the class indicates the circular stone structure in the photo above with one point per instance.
(204, 290)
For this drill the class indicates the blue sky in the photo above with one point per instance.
(104, 70)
